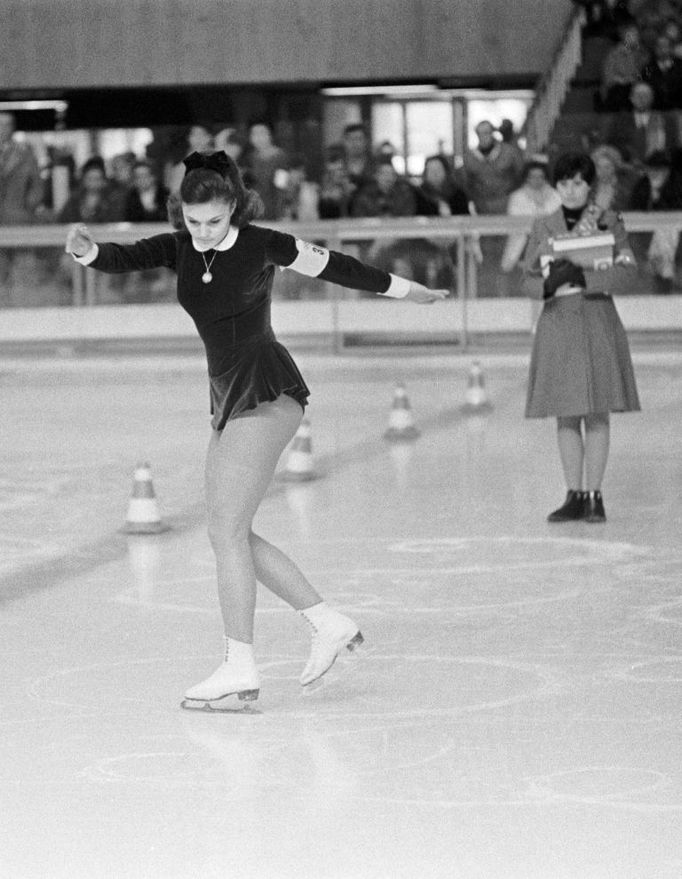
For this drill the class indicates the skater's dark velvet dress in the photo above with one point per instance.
(246, 364)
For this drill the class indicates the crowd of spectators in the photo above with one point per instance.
(638, 159)
(636, 137)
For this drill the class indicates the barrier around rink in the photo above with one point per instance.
(460, 253)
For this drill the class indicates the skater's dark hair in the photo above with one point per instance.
(214, 177)
(570, 164)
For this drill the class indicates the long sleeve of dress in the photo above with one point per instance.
(148, 253)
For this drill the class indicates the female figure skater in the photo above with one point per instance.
(225, 269)
(580, 368)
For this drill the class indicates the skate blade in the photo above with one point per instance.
(225, 705)
(356, 641)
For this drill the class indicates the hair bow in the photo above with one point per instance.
(219, 162)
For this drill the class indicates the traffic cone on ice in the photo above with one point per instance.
(401, 422)
(476, 399)
(143, 509)
(300, 465)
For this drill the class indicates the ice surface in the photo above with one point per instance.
(516, 711)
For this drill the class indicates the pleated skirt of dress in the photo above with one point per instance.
(260, 370)
(580, 363)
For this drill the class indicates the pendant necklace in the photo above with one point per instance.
(207, 277)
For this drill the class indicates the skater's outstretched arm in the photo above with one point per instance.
(147, 253)
(316, 261)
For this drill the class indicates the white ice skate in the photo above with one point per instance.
(237, 676)
(332, 633)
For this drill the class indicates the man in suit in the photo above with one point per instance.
(642, 130)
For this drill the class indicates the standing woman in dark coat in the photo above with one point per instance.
(225, 268)
(580, 368)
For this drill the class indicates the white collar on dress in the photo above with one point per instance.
(227, 242)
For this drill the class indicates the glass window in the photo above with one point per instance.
(495, 110)
(429, 131)
(416, 129)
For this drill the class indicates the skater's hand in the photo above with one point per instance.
(78, 240)
(423, 295)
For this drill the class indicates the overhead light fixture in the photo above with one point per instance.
(394, 91)
(57, 106)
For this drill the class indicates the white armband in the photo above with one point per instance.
(311, 260)
(398, 288)
(88, 257)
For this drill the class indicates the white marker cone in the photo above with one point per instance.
(300, 465)
(401, 424)
(476, 397)
(143, 509)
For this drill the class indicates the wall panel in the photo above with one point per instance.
(75, 44)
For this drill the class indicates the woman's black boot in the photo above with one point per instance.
(573, 508)
(594, 507)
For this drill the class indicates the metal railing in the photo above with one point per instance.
(440, 252)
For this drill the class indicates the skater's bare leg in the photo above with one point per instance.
(240, 464)
(280, 575)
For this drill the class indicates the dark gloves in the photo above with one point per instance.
(562, 271)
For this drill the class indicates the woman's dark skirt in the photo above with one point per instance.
(260, 370)
(581, 361)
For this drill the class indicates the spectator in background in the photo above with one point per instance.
(663, 72)
(613, 182)
(673, 32)
(21, 194)
(642, 130)
(621, 69)
(359, 162)
(659, 189)
(228, 140)
(198, 138)
(536, 197)
(146, 203)
(492, 171)
(508, 134)
(266, 170)
(121, 180)
(604, 17)
(385, 150)
(438, 195)
(336, 189)
(21, 187)
(91, 202)
(302, 195)
(386, 195)
(146, 199)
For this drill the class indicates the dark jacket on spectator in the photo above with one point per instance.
(635, 142)
(372, 201)
(428, 200)
(136, 212)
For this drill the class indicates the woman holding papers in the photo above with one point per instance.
(580, 368)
